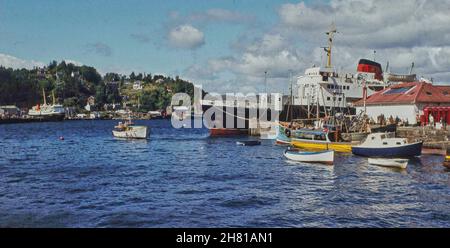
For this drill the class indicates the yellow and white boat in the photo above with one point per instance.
(319, 140)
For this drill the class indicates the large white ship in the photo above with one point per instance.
(47, 112)
(322, 91)
(323, 88)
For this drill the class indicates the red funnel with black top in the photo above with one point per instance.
(369, 66)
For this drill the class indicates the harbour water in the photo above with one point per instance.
(184, 178)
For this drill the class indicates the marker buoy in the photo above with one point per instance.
(61, 137)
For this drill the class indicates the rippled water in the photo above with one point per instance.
(183, 178)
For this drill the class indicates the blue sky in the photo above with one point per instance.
(46, 30)
(226, 45)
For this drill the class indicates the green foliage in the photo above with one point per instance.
(72, 85)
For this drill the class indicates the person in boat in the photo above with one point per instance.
(120, 126)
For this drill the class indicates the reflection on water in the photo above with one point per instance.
(183, 178)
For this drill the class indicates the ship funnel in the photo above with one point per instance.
(369, 66)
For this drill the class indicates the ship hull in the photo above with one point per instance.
(136, 132)
(316, 145)
(218, 132)
(405, 151)
(47, 118)
(228, 117)
(54, 118)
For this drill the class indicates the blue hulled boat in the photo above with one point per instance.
(385, 145)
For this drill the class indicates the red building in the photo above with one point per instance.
(408, 102)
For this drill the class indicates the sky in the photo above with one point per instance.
(227, 45)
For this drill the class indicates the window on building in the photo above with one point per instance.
(397, 90)
(328, 98)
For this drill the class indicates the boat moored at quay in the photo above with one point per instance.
(386, 145)
(320, 140)
(321, 91)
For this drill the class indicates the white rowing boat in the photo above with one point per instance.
(390, 162)
(323, 157)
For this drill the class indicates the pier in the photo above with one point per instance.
(435, 140)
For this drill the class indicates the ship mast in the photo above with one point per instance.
(330, 43)
(43, 94)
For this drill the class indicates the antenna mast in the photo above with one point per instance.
(412, 67)
(330, 43)
(43, 94)
(265, 80)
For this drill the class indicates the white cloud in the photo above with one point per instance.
(268, 43)
(245, 71)
(221, 15)
(74, 62)
(301, 16)
(373, 24)
(186, 37)
(9, 61)
(213, 15)
(401, 32)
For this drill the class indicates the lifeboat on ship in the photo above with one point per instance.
(391, 77)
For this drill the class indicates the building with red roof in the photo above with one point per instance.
(406, 101)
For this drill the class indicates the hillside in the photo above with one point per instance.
(72, 85)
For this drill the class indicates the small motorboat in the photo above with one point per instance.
(249, 143)
(385, 145)
(323, 157)
(128, 130)
(284, 135)
(390, 162)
